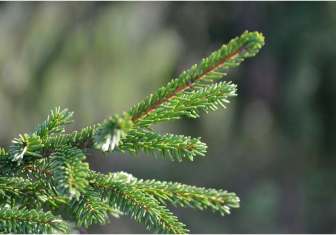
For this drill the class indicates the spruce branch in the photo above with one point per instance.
(247, 45)
(189, 103)
(21, 220)
(69, 171)
(30, 145)
(189, 196)
(56, 119)
(143, 208)
(19, 191)
(82, 140)
(89, 208)
(167, 145)
(15, 189)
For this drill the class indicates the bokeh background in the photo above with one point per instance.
(275, 143)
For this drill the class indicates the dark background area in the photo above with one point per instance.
(274, 145)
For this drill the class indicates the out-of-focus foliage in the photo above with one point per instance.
(275, 146)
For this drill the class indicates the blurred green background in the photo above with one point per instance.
(274, 145)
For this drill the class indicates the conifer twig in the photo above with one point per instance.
(247, 45)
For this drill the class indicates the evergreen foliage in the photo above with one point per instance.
(44, 169)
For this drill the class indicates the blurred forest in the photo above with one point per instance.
(274, 145)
